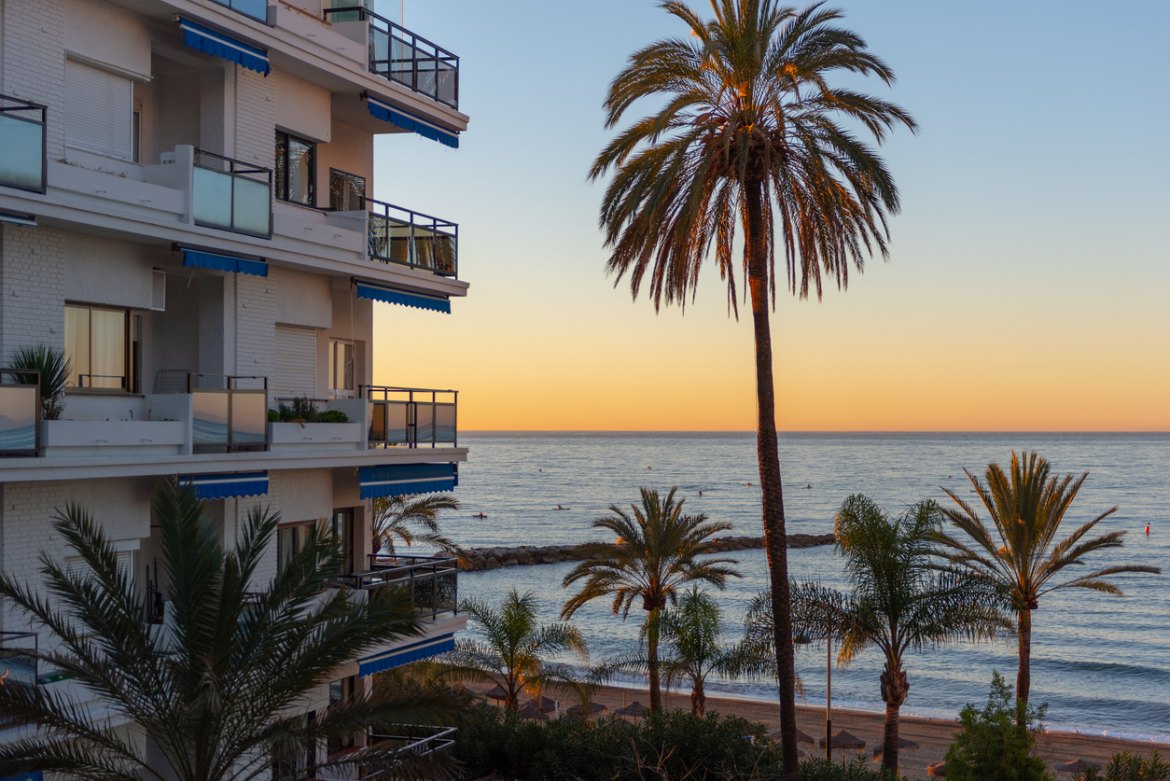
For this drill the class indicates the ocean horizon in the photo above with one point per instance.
(1099, 662)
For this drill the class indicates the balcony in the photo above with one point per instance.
(431, 581)
(412, 417)
(398, 235)
(22, 144)
(253, 9)
(401, 56)
(20, 413)
(231, 195)
(229, 414)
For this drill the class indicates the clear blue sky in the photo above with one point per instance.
(1030, 269)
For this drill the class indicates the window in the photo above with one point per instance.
(341, 691)
(102, 345)
(99, 111)
(289, 542)
(296, 169)
(343, 534)
(347, 192)
(342, 383)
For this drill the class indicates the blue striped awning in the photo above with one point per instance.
(404, 479)
(402, 297)
(405, 654)
(382, 110)
(30, 775)
(197, 258)
(217, 44)
(227, 485)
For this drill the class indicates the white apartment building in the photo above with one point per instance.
(186, 212)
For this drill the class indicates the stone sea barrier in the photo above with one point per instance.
(477, 559)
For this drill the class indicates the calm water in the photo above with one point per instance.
(1100, 662)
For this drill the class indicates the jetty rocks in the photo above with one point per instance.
(479, 559)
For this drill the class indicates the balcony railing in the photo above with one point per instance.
(231, 195)
(431, 581)
(412, 417)
(227, 415)
(399, 235)
(401, 56)
(20, 413)
(22, 144)
(256, 9)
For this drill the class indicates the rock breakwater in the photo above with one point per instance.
(479, 559)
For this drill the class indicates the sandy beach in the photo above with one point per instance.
(933, 736)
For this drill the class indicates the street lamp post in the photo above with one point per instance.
(829, 694)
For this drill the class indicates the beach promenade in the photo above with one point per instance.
(933, 736)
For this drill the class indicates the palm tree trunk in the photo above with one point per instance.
(698, 698)
(895, 687)
(890, 739)
(767, 449)
(652, 661)
(1024, 674)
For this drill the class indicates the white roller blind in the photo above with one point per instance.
(296, 362)
(75, 565)
(99, 111)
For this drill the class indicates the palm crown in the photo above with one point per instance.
(658, 549)
(411, 519)
(212, 686)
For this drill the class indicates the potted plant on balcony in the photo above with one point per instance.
(52, 371)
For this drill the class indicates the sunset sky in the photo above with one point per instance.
(1028, 286)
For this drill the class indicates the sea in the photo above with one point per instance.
(1101, 663)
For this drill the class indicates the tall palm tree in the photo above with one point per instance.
(690, 632)
(514, 651)
(211, 688)
(750, 130)
(658, 550)
(409, 520)
(1019, 551)
(898, 602)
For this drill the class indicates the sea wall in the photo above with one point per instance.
(476, 559)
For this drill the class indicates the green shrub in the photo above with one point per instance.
(1130, 767)
(989, 747)
(820, 770)
(331, 416)
(304, 410)
(668, 745)
(53, 368)
(273, 416)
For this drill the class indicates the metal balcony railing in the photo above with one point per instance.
(254, 9)
(22, 144)
(399, 235)
(403, 57)
(231, 195)
(431, 581)
(20, 413)
(227, 415)
(412, 417)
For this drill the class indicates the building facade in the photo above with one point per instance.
(186, 212)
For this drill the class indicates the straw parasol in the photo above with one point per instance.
(903, 745)
(801, 736)
(532, 711)
(545, 704)
(496, 693)
(1077, 765)
(586, 711)
(937, 769)
(846, 741)
(635, 710)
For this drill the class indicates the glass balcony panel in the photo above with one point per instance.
(257, 9)
(249, 420)
(212, 198)
(445, 423)
(252, 206)
(210, 418)
(397, 432)
(22, 153)
(425, 423)
(18, 418)
(377, 423)
(17, 657)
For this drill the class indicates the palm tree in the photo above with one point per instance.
(690, 631)
(212, 688)
(514, 650)
(750, 130)
(1019, 553)
(658, 550)
(398, 518)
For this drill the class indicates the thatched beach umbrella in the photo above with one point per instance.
(847, 741)
(634, 710)
(1077, 765)
(903, 745)
(586, 711)
(801, 736)
(496, 693)
(532, 711)
(936, 769)
(545, 704)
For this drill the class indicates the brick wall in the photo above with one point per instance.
(32, 280)
(34, 61)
